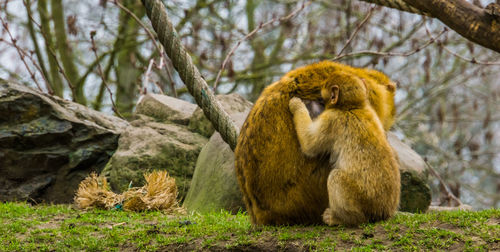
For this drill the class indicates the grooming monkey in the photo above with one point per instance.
(279, 184)
(364, 185)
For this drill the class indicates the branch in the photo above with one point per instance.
(399, 5)
(99, 69)
(370, 11)
(449, 194)
(255, 30)
(21, 53)
(389, 54)
(471, 60)
(481, 26)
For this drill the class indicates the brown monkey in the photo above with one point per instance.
(280, 185)
(364, 185)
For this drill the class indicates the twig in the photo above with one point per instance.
(390, 54)
(370, 11)
(53, 54)
(30, 57)
(471, 60)
(20, 53)
(249, 35)
(398, 5)
(147, 73)
(99, 69)
(153, 39)
(450, 195)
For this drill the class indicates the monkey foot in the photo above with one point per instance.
(329, 219)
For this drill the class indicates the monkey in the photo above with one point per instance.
(279, 184)
(364, 183)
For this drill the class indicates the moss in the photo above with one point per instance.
(415, 193)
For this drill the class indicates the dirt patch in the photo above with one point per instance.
(493, 221)
(261, 245)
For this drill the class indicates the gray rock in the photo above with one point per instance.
(148, 145)
(165, 108)
(48, 145)
(415, 192)
(214, 185)
(232, 103)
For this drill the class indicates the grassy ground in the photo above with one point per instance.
(60, 227)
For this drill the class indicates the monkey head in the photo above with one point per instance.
(345, 91)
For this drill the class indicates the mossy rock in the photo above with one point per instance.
(214, 185)
(148, 146)
(415, 191)
(48, 144)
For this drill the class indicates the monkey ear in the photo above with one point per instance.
(391, 87)
(334, 95)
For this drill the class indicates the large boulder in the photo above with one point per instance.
(231, 103)
(165, 108)
(214, 185)
(48, 145)
(415, 192)
(158, 139)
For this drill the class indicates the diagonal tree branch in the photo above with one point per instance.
(481, 26)
(470, 21)
(399, 5)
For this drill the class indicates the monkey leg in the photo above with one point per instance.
(345, 207)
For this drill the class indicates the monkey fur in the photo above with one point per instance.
(364, 185)
(279, 184)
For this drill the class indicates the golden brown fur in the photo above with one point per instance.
(279, 184)
(364, 185)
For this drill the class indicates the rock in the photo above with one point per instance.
(415, 192)
(214, 185)
(232, 103)
(165, 108)
(463, 207)
(148, 145)
(48, 145)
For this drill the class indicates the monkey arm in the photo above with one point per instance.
(311, 141)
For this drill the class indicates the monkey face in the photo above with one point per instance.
(315, 107)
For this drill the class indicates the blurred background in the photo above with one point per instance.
(448, 97)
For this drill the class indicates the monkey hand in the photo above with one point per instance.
(296, 104)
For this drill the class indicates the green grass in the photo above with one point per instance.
(63, 228)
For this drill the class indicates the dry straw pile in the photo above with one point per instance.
(159, 193)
